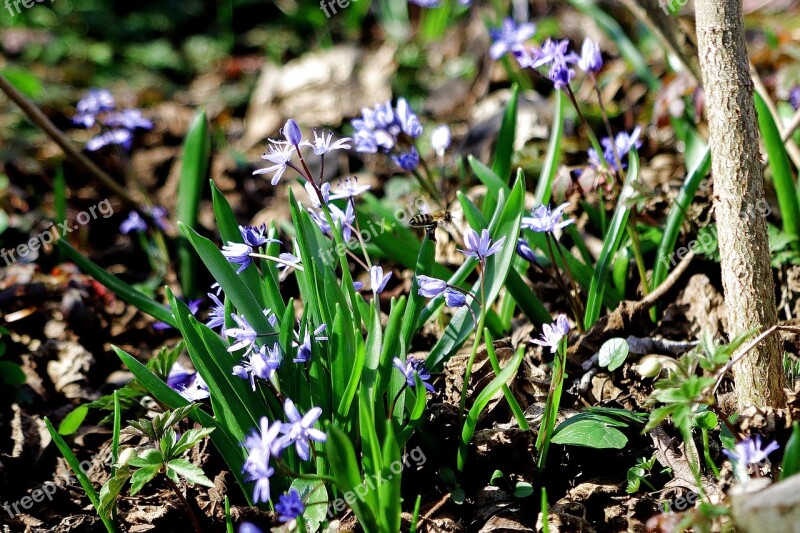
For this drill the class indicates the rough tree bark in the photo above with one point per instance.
(738, 189)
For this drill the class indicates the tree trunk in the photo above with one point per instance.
(738, 191)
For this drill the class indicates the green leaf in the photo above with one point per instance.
(481, 402)
(506, 222)
(117, 286)
(235, 289)
(230, 449)
(544, 187)
(591, 433)
(11, 373)
(190, 472)
(142, 476)
(611, 244)
(189, 439)
(344, 467)
(148, 457)
(613, 353)
(83, 479)
(504, 150)
(315, 498)
(73, 420)
(665, 258)
(194, 164)
(791, 457)
(781, 168)
(523, 490)
(111, 489)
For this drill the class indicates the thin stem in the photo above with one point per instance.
(277, 260)
(425, 185)
(471, 361)
(394, 401)
(570, 300)
(607, 123)
(637, 253)
(358, 234)
(578, 302)
(185, 503)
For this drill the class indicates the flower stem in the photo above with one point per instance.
(192, 516)
(471, 360)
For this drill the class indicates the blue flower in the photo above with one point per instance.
(554, 52)
(254, 235)
(349, 188)
(239, 254)
(304, 348)
(159, 215)
(749, 451)
(525, 251)
(288, 260)
(377, 279)
(298, 430)
(91, 105)
(510, 38)
(247, 527)
(624, 142)
(481, 247)
(553, 333)
(591, 59)
(440, 139)
(322, 144)
(454, 298)
(430, 287)
(291, 132)
(187, 383)
(794, 97)
(245, 335)
(289, 506)
(280, 155)
(544, 220)
(313, 197)
(216, 315)
(128, 119)
(134, 222)
(118, 126)
(408, 161)
(122, 138)
(407, 120)
(561, 74)
(261, 446)
(411, 368)
(382, 126)
(347, 218)
(259, 364)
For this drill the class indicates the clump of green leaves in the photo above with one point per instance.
(638, 474)
(161, 456)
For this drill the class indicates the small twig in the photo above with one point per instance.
(40, 119)
(791, 126)
(651, 299)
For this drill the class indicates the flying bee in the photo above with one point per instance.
(429, 222)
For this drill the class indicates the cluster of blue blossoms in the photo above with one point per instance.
(390, 130)
(117, 125)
